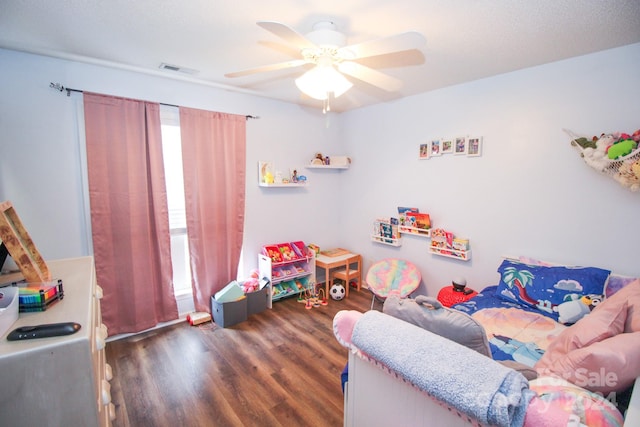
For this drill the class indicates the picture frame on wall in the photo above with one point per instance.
(447, 146)
(474, 146)
(460, 146)
(425, 151)
(436, 148)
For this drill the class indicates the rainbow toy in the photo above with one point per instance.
(38, 296)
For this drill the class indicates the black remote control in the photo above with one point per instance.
(43, 331)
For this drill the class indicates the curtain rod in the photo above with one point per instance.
(59, 87)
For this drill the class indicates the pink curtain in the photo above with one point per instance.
(129, 212)
(213, 157)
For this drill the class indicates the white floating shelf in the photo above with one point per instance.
(451, 253)
(262, 184)
(386, 240)
(327, 166)
(414, 231)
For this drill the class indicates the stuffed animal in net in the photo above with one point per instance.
(621, 148)
(629, 175)
(597, 157)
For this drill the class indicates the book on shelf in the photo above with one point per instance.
(386, 227)
(402, 214)
(419, 220)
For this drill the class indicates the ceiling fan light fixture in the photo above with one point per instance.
(322, 80)
(324, 34)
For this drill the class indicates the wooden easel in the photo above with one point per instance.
(21, 247)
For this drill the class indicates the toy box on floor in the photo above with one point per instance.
(257, 301)
(229, 305)
(231, 313)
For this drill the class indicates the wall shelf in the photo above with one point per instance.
(262, 184)
(386, 240)
(327, 166)
(451, 253)
(385, 231)
(444, 243)
(414, 231)
(268, 176)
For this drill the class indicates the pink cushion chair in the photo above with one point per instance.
(392, 276)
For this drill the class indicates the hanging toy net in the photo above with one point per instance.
(616, 155)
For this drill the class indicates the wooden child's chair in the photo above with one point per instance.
(352, 270)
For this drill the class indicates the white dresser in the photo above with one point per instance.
(60, 381)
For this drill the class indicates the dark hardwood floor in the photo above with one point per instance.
(279, 368)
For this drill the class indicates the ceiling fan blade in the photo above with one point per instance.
(396, 43)
(371, 76)
(266, 68)
(286, 33)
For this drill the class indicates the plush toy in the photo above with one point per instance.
(250, 285)
(629, 175)
(585, 143)
(576, 307)
(318, 160)
(597, 157)
(621, 148)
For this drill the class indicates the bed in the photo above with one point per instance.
(557, 345)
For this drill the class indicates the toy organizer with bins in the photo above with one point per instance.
(290, 267)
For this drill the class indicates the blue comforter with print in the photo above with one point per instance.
(515, 332)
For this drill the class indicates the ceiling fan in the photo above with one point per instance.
(327, 49)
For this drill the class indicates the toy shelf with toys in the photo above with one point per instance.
(269, 177)
(329, 162)
(290, 267)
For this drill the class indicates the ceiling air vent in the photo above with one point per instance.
(177, 69)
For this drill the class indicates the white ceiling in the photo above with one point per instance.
(466, 39)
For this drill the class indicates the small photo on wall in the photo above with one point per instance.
(460, 146)
(474, 146)
(447, 146)
(425, 151)
(436, 147)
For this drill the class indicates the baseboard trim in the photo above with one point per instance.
(185, 306)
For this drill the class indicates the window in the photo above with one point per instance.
(172, 153)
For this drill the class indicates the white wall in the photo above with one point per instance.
(528, 194)
(41, 151)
